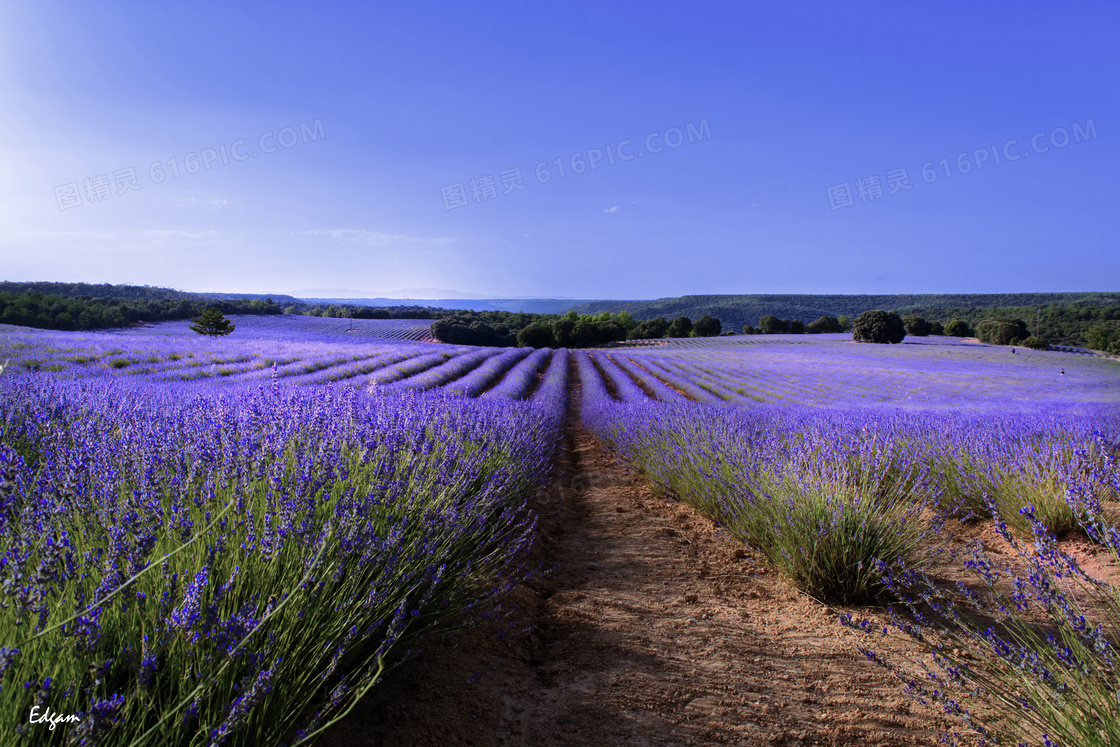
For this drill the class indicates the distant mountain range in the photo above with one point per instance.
(406, 294)
(528, 305)
(734, 311)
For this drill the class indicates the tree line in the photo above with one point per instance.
(76, 306)
(738, 310)
(1089, 319)
(85, 313)
(570, 330)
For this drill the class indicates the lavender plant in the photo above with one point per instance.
(663, 370)
(180, 566)
(1027, 653)
(627, 388)
(521, 379)
(489, 373)
(457, 366)
(822, 506)
(653, 385)
(553, 387)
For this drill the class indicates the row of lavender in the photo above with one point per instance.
(846, 503)
(472, 372)
(831, 372)
(294, 326)
(183, 564)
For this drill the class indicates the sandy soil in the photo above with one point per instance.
(650, 626)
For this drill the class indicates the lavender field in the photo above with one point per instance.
(851, 468)
(229, 540)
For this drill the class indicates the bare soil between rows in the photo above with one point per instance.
(651, 625)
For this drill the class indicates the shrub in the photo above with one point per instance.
(681, 327)
(916, 326)
(706, 326)
(797, 327)
(935, 328)
(958, 328)
(749, 329)
(1002, 331)
(1036, 343)
(884, 327)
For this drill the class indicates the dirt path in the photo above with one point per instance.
(652, 627)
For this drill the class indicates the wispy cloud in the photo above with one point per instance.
(373, 238)
(171, 233)
(68, 234)
(611, 209)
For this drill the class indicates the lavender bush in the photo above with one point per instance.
(821, 507)
(1027, 653)
(491, 371)
(182, 566)
(626, 387)
(554, 384)
(520, 380)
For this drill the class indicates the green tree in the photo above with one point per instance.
(797, 327)
(681, 327)
(535, 335)
(916, 326)
(562, 332)
(825, 324)
(884, 327)
(845, 323)
(772, 325)
(958, 328)
(609, 331)
(651, 329)
(1002, 331)
(584, 334)
(212, 323)
(628, 322)
(1104, 336)
(706, 326)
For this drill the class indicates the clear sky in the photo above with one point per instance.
(373, 147)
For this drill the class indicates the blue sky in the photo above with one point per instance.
(375, 113)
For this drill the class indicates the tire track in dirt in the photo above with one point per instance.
(652, 626)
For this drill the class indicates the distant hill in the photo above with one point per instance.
(527, 305)
(734, 311)
(133, 292)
